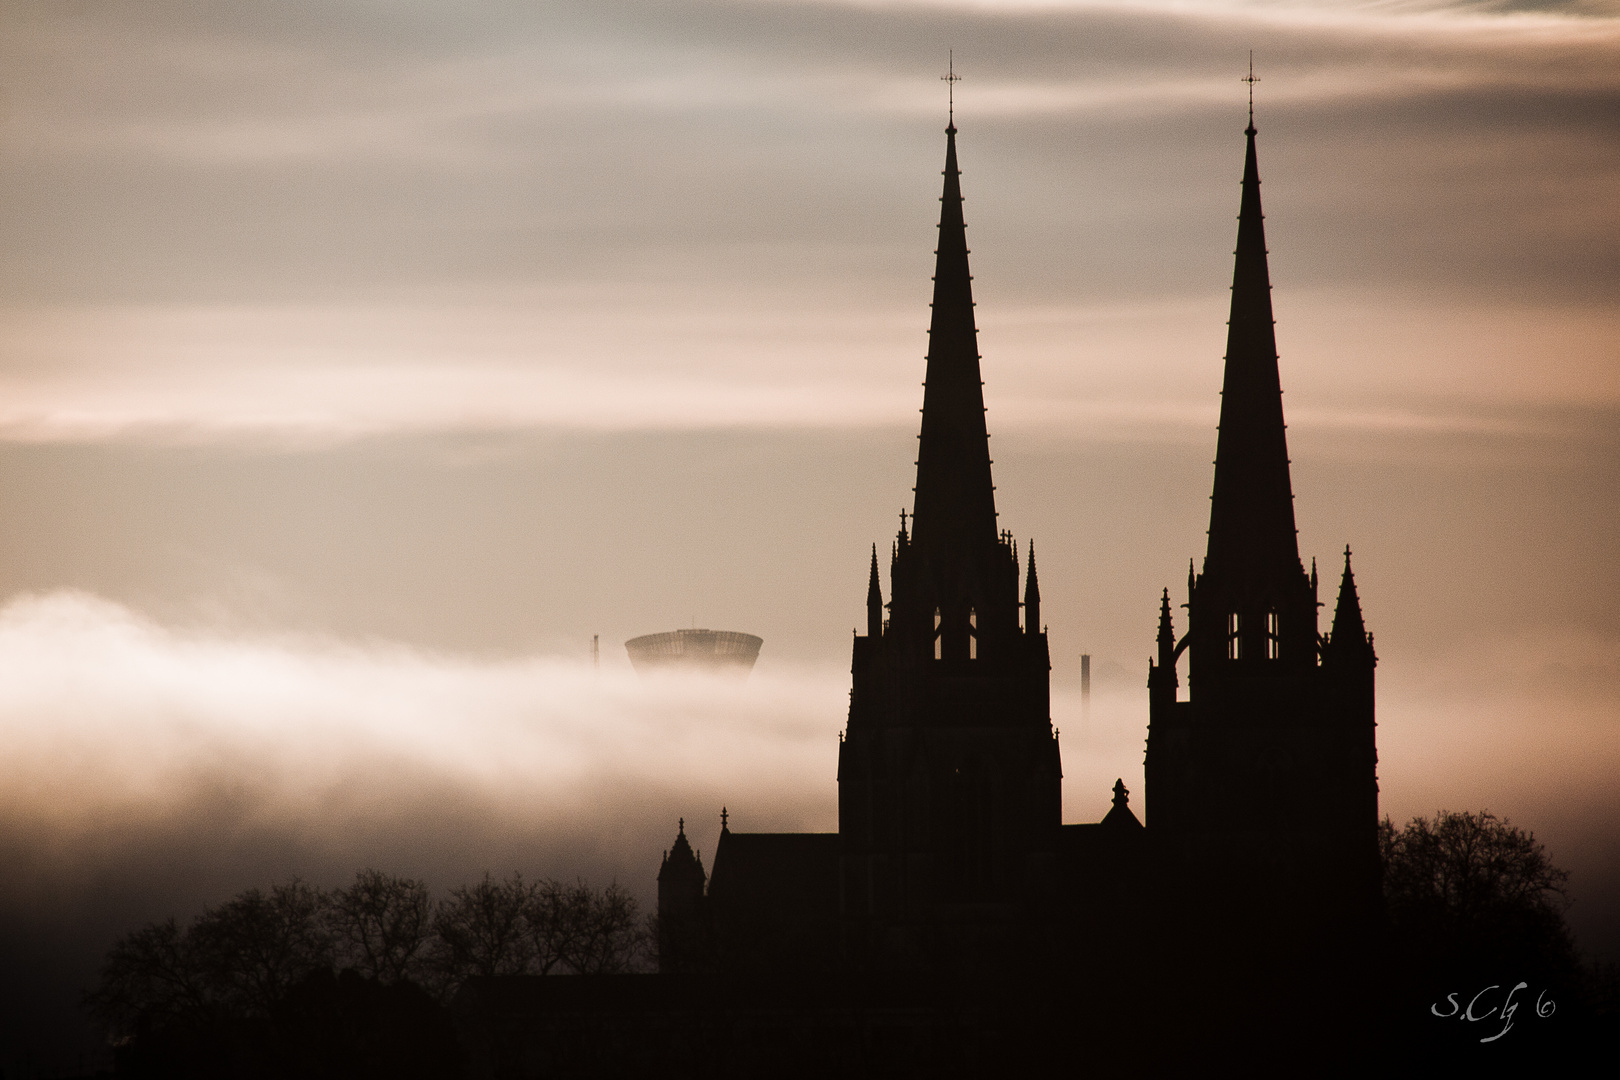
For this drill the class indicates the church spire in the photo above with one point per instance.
(1251, 523)
(955, 514)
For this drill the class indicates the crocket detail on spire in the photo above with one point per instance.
(1251, 524)
(955, 513)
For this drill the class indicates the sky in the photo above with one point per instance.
(360, 361)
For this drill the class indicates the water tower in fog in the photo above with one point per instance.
(721, 652)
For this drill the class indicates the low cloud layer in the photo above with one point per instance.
(152, 770)
(316, 753)
(113, 723)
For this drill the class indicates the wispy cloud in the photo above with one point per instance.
(585, 359)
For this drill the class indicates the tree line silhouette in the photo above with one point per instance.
(354, 981)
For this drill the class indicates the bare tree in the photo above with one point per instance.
(609, 936)
(234, 960)
(482, 929)
(151, 977)
(251, 949)
(549, 919)
(1469, 884)
(383, 925)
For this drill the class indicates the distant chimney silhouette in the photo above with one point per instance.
(1085, 688)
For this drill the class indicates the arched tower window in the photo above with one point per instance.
(973, 635)
(1234, 636)
(1273, 636)
(938, 641)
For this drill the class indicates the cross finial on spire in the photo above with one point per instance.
(1251, 78)
(723, 817)
(950, 79)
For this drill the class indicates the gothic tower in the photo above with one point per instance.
(1263, 783)
(682, 918)
(949, 797)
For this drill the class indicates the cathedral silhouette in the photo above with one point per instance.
(953, 925)
(951, 853)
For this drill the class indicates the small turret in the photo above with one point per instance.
(1167, 633)
(1121, 817)
(1162, 679)
(681, 877)
(1349, 642)
(680, 906)
(1032, 596)
(874, 601)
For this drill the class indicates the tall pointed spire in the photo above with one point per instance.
(1251, 521)
(955, 514)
